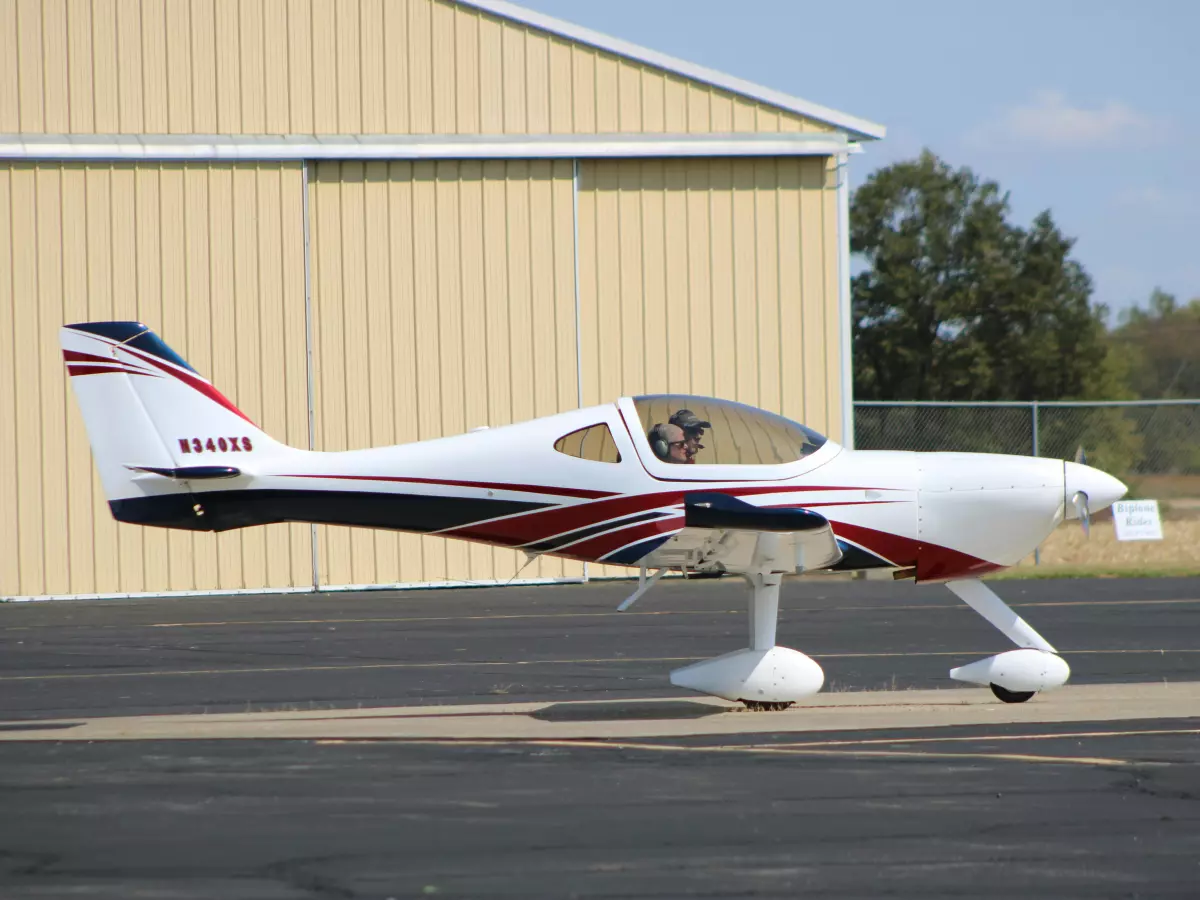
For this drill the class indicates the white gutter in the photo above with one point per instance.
(111, 147)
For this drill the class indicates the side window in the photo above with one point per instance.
(594, 442)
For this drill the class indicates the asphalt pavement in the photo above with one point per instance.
(998, 809)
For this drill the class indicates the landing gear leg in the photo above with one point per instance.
(763, 676)
(1017, 675)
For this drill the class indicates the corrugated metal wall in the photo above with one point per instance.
(325, 67)
(213, 256)
(443, 299)
(443, 293)
(715, 277)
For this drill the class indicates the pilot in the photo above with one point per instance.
(693, 430)
(669, 443)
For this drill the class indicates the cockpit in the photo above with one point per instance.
(687, 430)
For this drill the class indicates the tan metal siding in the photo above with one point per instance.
(713, 277)
(211, 257)
(442, 300)
(333, 66)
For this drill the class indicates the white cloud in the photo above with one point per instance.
(1149, 198)
(1048, 121)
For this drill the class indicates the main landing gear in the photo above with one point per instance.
(1011, 696)
(763, 676)
(1017, 675)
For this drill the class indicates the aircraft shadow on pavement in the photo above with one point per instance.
(618, 710)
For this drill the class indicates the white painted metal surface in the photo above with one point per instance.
(984, 601)
(1017, 670)
(773, 675)
(246, 147)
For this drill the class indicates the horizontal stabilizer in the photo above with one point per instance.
(712, 509)
(190, 473)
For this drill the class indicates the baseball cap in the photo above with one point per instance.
(685, 418)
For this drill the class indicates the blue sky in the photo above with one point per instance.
(1090, 108)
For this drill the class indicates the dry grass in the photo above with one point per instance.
(1163, 487)
(1067, 551)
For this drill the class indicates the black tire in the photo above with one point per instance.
(767, 705)
(1011, 696)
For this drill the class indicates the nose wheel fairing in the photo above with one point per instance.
(1018, 674)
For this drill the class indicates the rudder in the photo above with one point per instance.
(153, 421)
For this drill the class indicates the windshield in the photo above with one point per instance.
(687, 430)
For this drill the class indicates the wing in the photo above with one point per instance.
(722, 533)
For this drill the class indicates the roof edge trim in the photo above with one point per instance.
(218, 147)
(861, 129)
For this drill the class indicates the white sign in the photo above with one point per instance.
(1137, 520)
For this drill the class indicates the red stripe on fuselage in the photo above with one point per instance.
(932, 561)
(529, 527)
(75, 356)
(191, 380)
(595, 548)
(113, 369)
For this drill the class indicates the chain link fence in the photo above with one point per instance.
(1126, 438)
(1153, 446)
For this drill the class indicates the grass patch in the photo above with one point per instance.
(1095, 571)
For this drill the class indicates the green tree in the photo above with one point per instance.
(1161, 347)
(958, 303)
(1161, 344)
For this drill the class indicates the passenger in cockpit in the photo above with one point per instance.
(693, 430)
(669, 443)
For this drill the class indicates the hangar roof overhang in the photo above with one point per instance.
(857, 129)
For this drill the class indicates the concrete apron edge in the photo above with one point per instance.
(636, 718)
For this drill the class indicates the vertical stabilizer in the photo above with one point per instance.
(148, 412)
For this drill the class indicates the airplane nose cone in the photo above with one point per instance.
(1101, 488)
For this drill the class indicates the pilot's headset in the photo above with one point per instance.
(658, 442)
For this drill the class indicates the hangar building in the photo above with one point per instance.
(379, 221)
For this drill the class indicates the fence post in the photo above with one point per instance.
(1037, 551)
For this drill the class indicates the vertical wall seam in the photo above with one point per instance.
(845, 301)
(62, 284)
(116, 26)
(92, 56)
(780, 249)
(41, 399)
(308, 348)
(578, 309)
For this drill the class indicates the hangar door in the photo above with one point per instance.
(442, 300)
(209, 255)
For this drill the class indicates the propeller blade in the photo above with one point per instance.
(1080, 502)
(1081, 456)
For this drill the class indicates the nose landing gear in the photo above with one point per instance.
(1017, 675)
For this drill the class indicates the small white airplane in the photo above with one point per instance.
(662, 483)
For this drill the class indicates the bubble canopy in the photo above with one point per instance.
(686, 429)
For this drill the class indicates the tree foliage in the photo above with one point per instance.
(958, 303)
(1161, 346)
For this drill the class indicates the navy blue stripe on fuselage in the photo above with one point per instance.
(855, 558)
(580, 533)
(629, 556)
(226, 510)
